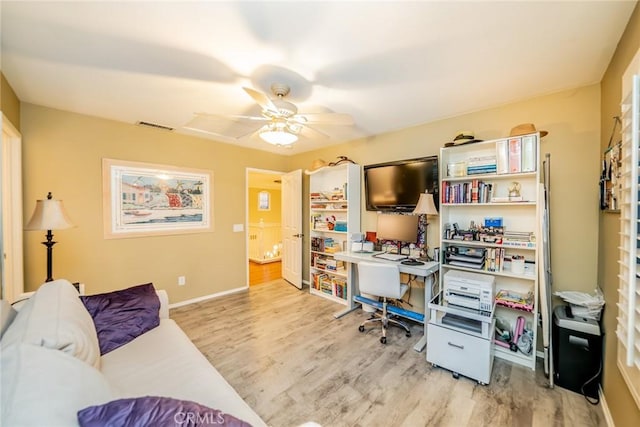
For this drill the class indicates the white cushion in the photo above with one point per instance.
(40, 386)
(54, 317)
(164, 362)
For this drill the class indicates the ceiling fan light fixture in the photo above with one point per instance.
(277, 135)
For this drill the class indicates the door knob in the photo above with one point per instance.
(298, 235)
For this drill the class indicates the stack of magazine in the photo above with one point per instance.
(464, 256)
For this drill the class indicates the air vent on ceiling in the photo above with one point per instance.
(154, 125)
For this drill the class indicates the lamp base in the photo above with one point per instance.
(49, 244)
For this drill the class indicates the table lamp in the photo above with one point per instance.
(425, 207)
(49, 215)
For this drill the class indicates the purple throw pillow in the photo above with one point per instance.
(155, 411)
(123, 315)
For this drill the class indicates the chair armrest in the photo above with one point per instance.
(21, 300)
(164, 303)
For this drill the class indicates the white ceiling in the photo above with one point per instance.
(390, 65)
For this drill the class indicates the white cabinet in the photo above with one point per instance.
(460, 352)
(334, 197)
(489, 217)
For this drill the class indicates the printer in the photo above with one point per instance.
(469, 290)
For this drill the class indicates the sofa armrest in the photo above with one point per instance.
(164, 303)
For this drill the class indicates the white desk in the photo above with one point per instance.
(426, 270)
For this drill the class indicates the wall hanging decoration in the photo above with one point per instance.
(142, 199)
(610, 183)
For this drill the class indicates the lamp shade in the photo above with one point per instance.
(279, 133)
(425, 205)
(278, 137)
(49, 214)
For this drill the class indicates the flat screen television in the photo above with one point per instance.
(396, 186)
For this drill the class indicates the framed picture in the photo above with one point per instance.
(142, 199)
(264, 201)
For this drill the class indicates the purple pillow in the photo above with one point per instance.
(123, 315)
(155, 411)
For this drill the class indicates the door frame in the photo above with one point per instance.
(11, 237)
(249, 170)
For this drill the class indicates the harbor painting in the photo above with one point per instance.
(142, 199)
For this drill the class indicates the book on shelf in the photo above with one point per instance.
(481, 164)
(473, 191)
(339, 287)
(495, 260)
(515, 155)
(317, 279)
(481, 160)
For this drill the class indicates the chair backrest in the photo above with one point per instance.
(379, 279)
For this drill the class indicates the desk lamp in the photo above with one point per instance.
(425, 207)
(49, 215)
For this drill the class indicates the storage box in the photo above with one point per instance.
(493, 222)
(457, 169)
(341, 226)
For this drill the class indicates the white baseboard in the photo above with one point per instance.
(207, 297)
(605, 408)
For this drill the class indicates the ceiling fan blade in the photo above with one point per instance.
(234, 117)
(311, 133)
(327, 118)
(220, 126)
(262, 100)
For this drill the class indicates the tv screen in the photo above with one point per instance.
(396, 186)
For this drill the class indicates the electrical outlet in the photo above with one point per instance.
(182, 280)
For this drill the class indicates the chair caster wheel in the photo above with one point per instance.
(361, 328)
(383, 340)
(455, 375)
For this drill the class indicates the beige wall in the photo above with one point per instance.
(9, 102)
(573, 121)
(622, 406)
(62, 153)
(273, 215)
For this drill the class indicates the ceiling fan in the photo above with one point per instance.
(283, 122)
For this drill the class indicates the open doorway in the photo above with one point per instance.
(264, 228)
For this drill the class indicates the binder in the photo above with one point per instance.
(515, 155)
(502, 157)
(529, 153)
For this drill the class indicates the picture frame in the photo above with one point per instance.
(264, 201)
(145, 199)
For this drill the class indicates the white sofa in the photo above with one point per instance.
(51, 367)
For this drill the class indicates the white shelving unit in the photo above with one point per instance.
(458, 206)
(334, 208)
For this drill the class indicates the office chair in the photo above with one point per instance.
(382, 280)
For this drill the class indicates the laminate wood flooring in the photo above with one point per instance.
(292, 361)
(261, 273)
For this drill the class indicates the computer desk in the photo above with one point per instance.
(426, 271)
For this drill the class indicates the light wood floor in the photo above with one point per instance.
(261, 273)
(286, 355)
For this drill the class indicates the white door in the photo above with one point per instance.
(11, 270)
(292, 227)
